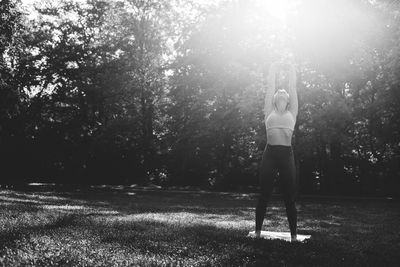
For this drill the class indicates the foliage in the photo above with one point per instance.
(171, 92)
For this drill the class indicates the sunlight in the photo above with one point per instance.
(226, 221)
(325, 31)
(65, 207)
(278, 9)
(321, 31)
(330, 30)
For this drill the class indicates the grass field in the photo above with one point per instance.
(141, 228)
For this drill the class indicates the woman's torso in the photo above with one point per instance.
(280, 128)
(281, 137)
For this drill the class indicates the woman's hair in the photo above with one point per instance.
(281, 93)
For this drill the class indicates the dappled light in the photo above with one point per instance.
(160, 132)
(179, 219)
(192, 229)
(171, 93)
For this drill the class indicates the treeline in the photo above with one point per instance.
(171, 92)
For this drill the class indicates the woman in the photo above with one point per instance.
(280, 110)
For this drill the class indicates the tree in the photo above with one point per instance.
(11, 96)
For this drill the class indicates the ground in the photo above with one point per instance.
(120, 227)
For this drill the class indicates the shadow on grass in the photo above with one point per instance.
(128, 204)
(146, 229)
(8, 237)
(197, 244)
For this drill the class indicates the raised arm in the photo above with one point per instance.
(293, 101)
(270, 91)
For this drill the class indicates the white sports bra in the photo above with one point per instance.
(284, 120)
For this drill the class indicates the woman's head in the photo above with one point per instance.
(281, 100)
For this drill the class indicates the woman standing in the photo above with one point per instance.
(280, 109)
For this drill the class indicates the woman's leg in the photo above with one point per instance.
(287, 173)
(266, 183)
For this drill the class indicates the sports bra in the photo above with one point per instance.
(284, 120)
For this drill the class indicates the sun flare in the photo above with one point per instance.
(278, 9)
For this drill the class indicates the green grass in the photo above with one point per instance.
(121, 228)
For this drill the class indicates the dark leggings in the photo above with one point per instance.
(277, 158)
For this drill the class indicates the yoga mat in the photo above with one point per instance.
(278, 235)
